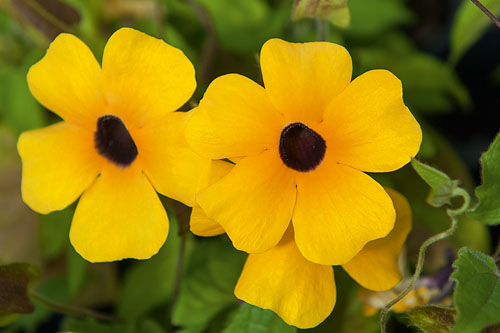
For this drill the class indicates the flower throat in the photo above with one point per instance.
(301, 148)
(113, 141)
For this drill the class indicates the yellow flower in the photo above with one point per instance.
(301, 146)
(119, 142)
(301, 292)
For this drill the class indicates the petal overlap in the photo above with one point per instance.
(339, 210)
(235, 118)
(375, 267)
(200, 224)
(173, 168)
(254, 211)
(302, 293)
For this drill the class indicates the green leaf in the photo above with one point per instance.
(335, 11)
(90, 325)
(175, 38)
(256, 320)
(54, 232)
(11, 49)
(371, 18)
(469, 24)
(77, 272)
(432, 176)
(8, 149)
(54, 236)
(477, 291)
(151, 326)
(91, 12)
(19, 109)
(7, 318)
(239, 25)
(488, 209)
(470, 233)
(208, 284)
(442, 187)
(149, 283)
(433, 318)
(473, 234)
(495, 75)
(429, 84)
(14, 282)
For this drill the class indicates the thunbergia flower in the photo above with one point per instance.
(301, 147)
(301, 292)
(119, 142)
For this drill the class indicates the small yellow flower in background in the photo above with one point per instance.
(301, 292)
(374, 301)
(436, 289)
(301, 147)
(119, 142)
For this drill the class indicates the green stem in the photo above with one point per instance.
(460, 192)
(72, 310)
(496, 255)
(159, 17)
(418, 270)
(453, 214)
(178, 276)
(487, 12)
(49, 17)
(209, 47)
(322, 27)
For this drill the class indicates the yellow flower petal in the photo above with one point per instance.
(253, 203)
(376, 266)
(302, 293)
(119, 216)
(67, 80)
(143, 77)
(59, 163)
(339, 210)
(200, 223)
(235, 118)
(368, 127)
(301, 79)
(172, 167)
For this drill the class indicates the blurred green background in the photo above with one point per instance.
(447, 54)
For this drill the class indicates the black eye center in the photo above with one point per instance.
(113, 141)
(301, 148)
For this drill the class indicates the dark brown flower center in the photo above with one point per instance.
(113, 141)
(301, 148)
